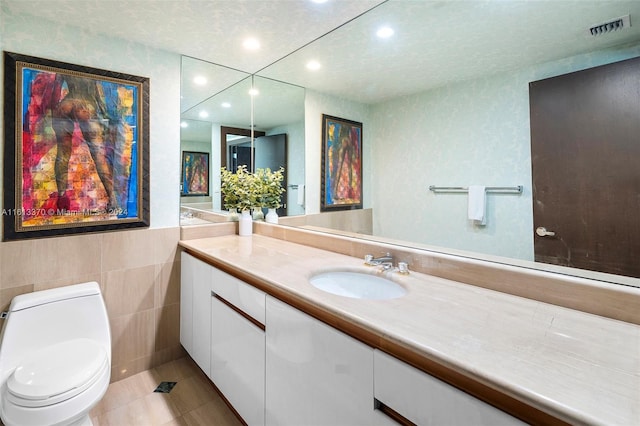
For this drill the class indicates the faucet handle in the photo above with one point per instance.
(367, 259)
(403, 268)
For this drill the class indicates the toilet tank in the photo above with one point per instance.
(46, 317)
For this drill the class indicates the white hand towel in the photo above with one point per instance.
(301, 195)
(477, 204)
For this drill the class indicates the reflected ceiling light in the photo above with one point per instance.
(225, 105)
(319, 1)
(254, 92)
(313, 65)
(200, 80)
(251, 44)
(203, 114)
(184, 124)
(384, 32)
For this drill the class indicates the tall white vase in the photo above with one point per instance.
(271, 217)
(245, 224)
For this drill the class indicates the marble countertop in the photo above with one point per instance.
(579, 367)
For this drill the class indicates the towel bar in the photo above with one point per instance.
(501, 189)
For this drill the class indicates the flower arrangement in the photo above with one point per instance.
(240, 190)
(270, 187)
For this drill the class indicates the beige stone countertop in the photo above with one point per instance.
(579, 367)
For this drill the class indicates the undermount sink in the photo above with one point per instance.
(357, 285)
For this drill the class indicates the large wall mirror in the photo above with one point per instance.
(444, 101)
(236, 118)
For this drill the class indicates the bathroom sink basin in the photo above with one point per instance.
(357, 285)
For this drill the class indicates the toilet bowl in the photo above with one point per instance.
(55, 356)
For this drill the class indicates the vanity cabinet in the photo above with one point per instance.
(279, 366)
(423, 399)
(195, 309)
(238, 345)
(314, 373)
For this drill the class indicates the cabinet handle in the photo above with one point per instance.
(240, 312)
(391, 413)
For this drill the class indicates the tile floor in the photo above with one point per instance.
(192, 402)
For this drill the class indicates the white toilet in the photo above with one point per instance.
(55, 356)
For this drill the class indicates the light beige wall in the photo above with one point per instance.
(138, 272)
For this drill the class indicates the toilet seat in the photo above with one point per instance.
(57, 373)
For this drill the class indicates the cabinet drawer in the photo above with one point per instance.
(246, 298)
(423, 399)
(238, 361)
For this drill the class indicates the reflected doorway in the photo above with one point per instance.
(266, 152)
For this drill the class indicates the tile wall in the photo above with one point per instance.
(138, 272)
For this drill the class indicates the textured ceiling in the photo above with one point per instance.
(438, 42)
(435, 42)
(211, 30)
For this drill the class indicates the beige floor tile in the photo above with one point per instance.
(124, 391)
(179, 369)
(178, 421)
(214, 412)
(152, 409)
(113, 398)
(140, 385)
(191, 393)
(193, 401)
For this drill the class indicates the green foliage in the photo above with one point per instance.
(271, 188)
(240, 190)
(243, 190)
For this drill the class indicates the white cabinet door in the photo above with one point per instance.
(238, 345)
(237, 361)
(316, 375)
(195, 309)
(423, 399)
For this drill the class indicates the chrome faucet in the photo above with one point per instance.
(385, 262)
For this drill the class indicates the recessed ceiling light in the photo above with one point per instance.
(203, 114)
(319, 1)
(254, 92)
(313, 65)
(225, 105)
(184, 124)
(384, 32)
(251, 44)
(200, 80)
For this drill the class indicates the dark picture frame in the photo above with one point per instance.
(341, 180)
(195, 174)
(76, 149)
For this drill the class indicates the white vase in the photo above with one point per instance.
(271, 217)
(257, 213)
(245, 224)
(232, 216)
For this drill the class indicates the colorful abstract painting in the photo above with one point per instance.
(341, 164)
(195, 173)
(76, 149)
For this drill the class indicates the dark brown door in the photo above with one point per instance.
(585, 151)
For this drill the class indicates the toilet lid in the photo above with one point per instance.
(57, 372)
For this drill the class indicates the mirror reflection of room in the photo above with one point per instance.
(254, 122)
(431, 123)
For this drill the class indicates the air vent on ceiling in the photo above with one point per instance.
(607, 27)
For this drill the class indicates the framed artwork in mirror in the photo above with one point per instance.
(76, 149)
(341, 180)
(195, 174)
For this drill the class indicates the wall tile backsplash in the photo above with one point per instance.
(138, 272)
